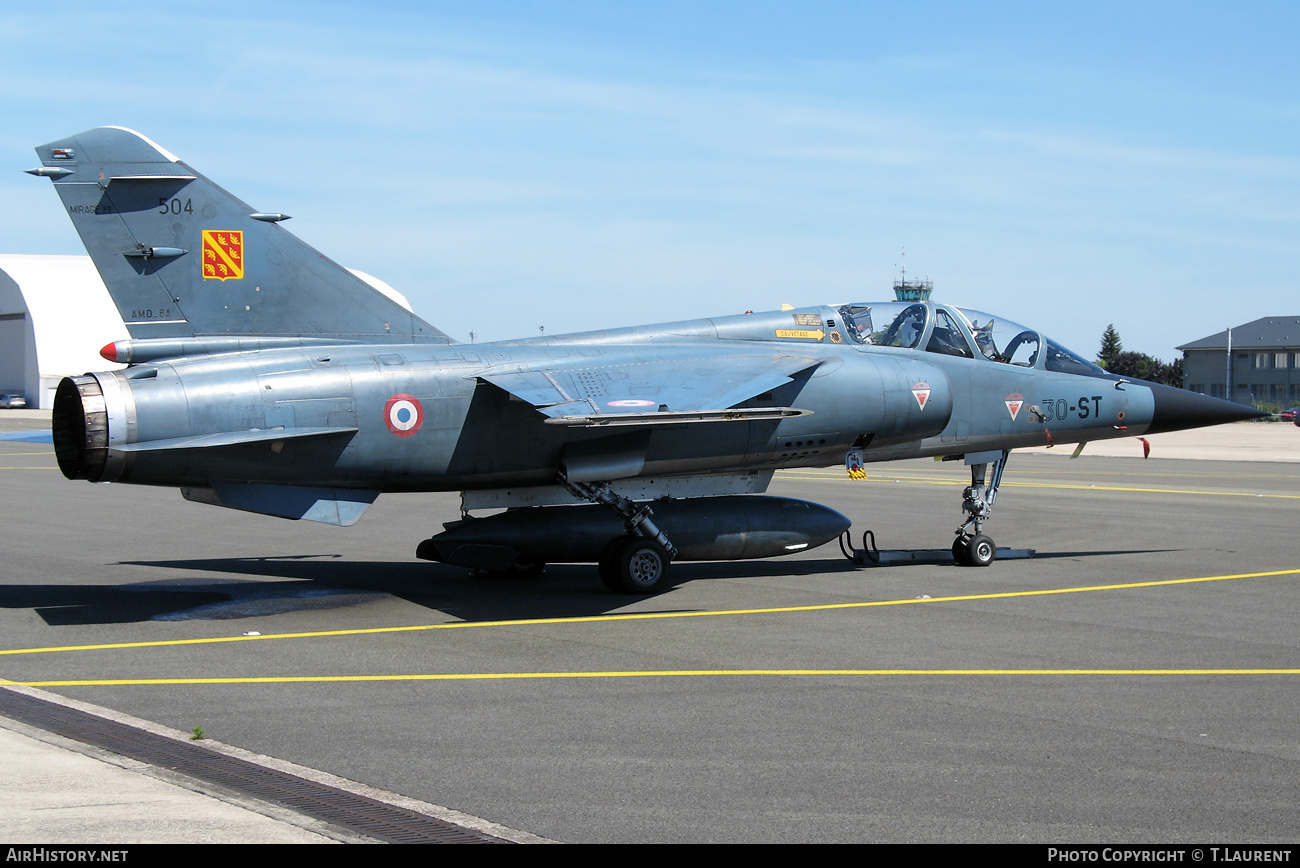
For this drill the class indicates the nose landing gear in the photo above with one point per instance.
(972, 548)
(976, 549)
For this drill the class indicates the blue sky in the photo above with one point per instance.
(575, 165)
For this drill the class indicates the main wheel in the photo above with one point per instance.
(634, 565)
(980, 551)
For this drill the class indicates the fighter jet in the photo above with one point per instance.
(264, 377)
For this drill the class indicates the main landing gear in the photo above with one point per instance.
(637, 563)
(976, 549)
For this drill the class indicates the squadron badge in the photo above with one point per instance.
(1014, 402)
(921, 391)
(223, 254)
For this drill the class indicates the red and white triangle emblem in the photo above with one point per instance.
(1014, 402)
(921, 391)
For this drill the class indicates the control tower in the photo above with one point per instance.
(912, 290)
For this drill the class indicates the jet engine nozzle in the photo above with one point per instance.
(88, 418)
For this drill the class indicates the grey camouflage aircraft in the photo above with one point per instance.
(264, 377)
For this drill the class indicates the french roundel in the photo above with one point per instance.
(403, 414)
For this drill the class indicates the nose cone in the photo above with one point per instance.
(1176, 409)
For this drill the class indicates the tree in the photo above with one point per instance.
(1111, 346)
(1138, 365)
(1144, 367)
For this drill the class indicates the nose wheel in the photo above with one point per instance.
(974, 551)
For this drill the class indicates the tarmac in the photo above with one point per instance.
(62, 791)
(57, 791)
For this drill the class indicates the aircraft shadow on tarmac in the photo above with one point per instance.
(1051, 556)
(315, 582)
(563, 590)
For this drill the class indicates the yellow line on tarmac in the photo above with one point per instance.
(648, 616)
(664, 673)
(1149, 490)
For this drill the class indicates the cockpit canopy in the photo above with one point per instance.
(959, 332)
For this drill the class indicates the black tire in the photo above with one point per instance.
(980, 551)
(605, 566)
(637, 566)
(959, 550)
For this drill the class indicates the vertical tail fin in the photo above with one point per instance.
(182, 257)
